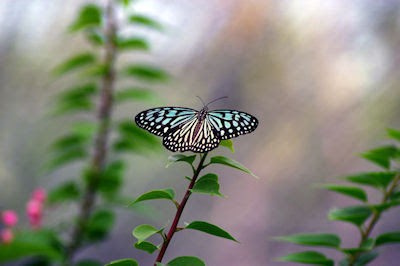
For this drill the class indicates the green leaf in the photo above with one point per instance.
(88, 262)
(83, 105)
(207, 184)
(74, 62)
(381, 156)
(95, 37)
(100, 225)
(227, 143)
(378, 180)
(144, 231)
(134, 94)
(124, 145)
(395, 196)
(67, 157)
(167, 193)
(77, 93)
(125, 2)
(366, 246)
(133, 136)
(89, 16)
(27, 243)
(124, 262)
(180, 158)
(85, 129)
(231, 163)
(388, 238)
(146, 246)
(354, 214)
(394, 199)
(366, 258)
(134, 43)
(38, 261)
(67, 191)
(69, 141)
(147, 73)
(314, 239)
(150, 144)
(146, 21)
(111, 178)
(384, 206)
(308, 257)
(210, 229)
(97, 70)
(186, 261)
(354, 192)
(75, 99)
(362, 260)
(393, 133)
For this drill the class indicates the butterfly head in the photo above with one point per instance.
(202, 114)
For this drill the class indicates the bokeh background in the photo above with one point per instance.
(321, 76)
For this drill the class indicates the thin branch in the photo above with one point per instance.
(101, 139)
(179, 211)
(375, 217)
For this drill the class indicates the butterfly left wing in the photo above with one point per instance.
(162, 119)
(194, 135)
(232, 123)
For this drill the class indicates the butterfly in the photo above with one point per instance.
(186, 129)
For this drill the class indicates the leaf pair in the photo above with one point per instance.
(214, 160)
(144, 231)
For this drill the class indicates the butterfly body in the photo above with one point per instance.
(185, 129)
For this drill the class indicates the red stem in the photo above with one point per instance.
(179, 211)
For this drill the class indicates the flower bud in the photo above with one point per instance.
(6, 235)
(39, 194)
(9, 218)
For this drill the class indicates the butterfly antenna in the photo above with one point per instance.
(223, 97)
(201, 100)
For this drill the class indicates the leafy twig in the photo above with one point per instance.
(99, 155)
(179, 211)
(377, 214)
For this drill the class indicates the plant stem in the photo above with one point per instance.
(101, 138)
(179, 211)
(375, 217)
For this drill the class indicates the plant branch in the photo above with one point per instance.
(179, 211)
(101, 138)
(375, 217)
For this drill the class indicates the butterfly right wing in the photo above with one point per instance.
(160, 120)
(232, 123)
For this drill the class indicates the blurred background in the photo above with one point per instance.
(321, 77)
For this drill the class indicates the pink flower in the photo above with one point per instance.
(34, 208)
(34, 211)
(6, 235)
(9, 218)
(39, 194)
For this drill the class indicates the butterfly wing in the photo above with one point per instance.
(232, 123)
(194, 135)
(163, 119)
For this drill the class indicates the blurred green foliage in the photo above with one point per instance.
(364, 216)
(91, 70)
